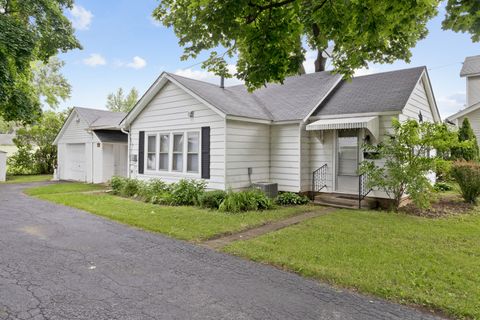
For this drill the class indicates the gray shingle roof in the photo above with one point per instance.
(292, 100)
(100, 118)
(387, 91)
(471, 65)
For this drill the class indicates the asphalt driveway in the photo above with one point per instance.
(62, 263)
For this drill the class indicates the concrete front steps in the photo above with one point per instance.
(347, 201)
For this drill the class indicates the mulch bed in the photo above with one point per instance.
(445, 205)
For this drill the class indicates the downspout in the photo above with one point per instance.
(128, 150)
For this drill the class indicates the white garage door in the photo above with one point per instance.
(75, 166)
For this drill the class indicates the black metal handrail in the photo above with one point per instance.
(363, 190)
(319, 179)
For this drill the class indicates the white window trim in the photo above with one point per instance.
(168, 152)
(156, 152)
(188, 153)
(170, 172)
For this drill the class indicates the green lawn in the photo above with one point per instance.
(432, 263)
(28, 178)
(67, 187)
(187, 223)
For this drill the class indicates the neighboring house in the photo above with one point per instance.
(184, 128)
(91, 146)
(471, 72)
(6, 143)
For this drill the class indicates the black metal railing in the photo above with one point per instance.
(319, 180)
(363, 189)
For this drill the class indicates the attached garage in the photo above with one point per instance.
(91, 146)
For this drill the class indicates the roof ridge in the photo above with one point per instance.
(391, 71)
(192, 79)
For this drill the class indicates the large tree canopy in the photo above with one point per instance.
(30, 30)
(49, 82)
(267, 36)
(463, 16)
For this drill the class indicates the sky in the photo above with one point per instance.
(123, 46)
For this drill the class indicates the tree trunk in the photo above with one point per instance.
(320, 61)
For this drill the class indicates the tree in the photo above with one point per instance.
(267, 36)
(405, 159)
(469, 149)
(117, 102)
(30, 30)
(7, 126)
(463, 16)
(49, 83)
(36, 153)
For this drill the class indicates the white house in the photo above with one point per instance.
(91, 146)
(305, 134)
(471, 72)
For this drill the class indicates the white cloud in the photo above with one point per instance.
(137, 63)
(81, 17)
(365, 71)
(94, 60)
(451, 104)
(206, 76)
(309, 63)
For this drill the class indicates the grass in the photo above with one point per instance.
(61, 188)
(28, 178)
(186, 223)
(411, 260)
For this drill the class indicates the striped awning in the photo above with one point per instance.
(370, 123)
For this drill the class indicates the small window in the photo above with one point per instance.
(192, 152)
(163, 155)
(177, 164)
(151, 152)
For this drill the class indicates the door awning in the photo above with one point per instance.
(370, 123)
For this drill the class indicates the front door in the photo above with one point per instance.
(347, 161)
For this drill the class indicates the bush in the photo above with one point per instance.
(152, 190)
(126, 187)
(467, 175)
(443, 169)
(249, 200)
(186, 192)
(117, 184)
(442, 186)
(212, 199)
(132, 187)
(290, 198)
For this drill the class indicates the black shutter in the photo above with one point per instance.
(141, 151)
(205, 152)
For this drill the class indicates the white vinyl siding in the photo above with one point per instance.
(473, 90)
(76, 132)
(285, 156)
(418, 102)
(248, 146)
(169, 112)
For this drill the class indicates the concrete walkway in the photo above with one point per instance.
(221, 242)
(58, 262)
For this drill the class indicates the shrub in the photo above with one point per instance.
(212, 199)
(117, 184)
(131, 187)
(152, 189)
(290, 198)
(467, 175)
(442, 186)
(248, 200)
(186, 192)
(443, 169)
